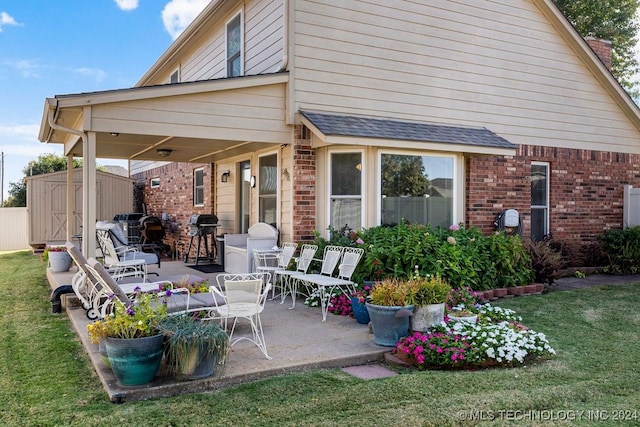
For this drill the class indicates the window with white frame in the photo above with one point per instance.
(539, 200)
(198, 187)
(268, 189)
(234, 46)
(346, 191)
(155, 182)
(417, 189)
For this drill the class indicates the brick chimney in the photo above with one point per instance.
(602, 48)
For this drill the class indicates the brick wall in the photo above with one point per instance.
(602, 48)
(586, 189)
(304, 186)
(175, 197)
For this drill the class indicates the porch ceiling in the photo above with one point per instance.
(198, 121)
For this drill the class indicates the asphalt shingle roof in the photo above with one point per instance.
(367, 127)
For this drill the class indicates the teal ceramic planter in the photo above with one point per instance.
(135, 361)
(360, 311)
(389, 323)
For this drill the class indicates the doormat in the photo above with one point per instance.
(208, 268)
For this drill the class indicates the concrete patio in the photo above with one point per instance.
(297, 340)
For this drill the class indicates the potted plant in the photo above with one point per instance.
(462, 305)
(132, 341)
(430, 296)
(58, 258)
(390, 306)
(358, 304)
(193, 347)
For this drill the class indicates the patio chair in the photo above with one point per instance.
(84, 289)
(244, 296)
(118, 252)
(106, 290)
(327, 284)
(274, 261)
(287, 277)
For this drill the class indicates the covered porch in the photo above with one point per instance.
(193, 122)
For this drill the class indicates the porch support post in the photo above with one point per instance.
(89, 196)
(71, 215)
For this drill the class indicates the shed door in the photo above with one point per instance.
(56, 205)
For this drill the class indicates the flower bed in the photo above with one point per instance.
(497, 339)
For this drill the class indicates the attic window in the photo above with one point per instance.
(155, 182)
(175, 77)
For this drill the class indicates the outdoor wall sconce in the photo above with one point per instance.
(225, 176)
(252, 181)
(164, 152)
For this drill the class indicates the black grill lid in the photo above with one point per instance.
(199, 219)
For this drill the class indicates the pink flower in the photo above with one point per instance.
(360, 241)
(454, 227)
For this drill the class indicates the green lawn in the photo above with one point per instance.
(46, 378)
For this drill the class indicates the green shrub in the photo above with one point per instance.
(462, 257)
(622, 249)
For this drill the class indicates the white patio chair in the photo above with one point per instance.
(272, 262)
(244, 296)
(107, 290)
(85, 289)
(327, 284)
(287, 277)
(123, 261)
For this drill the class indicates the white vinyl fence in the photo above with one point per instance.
(14, 229)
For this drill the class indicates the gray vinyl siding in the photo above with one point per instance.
(498, 64)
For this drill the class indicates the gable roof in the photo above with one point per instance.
(330, 125)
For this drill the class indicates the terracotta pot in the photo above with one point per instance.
(500, 292)
(515, 290)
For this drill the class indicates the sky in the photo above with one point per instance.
(58, 47)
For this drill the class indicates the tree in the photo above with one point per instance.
(403, 176)
(46, 163)
(613, 20)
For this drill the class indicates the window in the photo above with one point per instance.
(346, 191)
(175, 77)
(417, 189)
(234, 47)
(198, 187)
(268, 189)
(155, 182)
(539, 200)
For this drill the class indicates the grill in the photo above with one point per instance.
(201, 226)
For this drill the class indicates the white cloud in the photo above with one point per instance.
(127, 4)
(97, 75)
(6, 19)
(26, 67)
(19, 132)
(178, 14)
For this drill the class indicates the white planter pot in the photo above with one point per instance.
(426, 316)
(59, 261)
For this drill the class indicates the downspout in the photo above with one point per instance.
(285, 36)
(55, 126)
